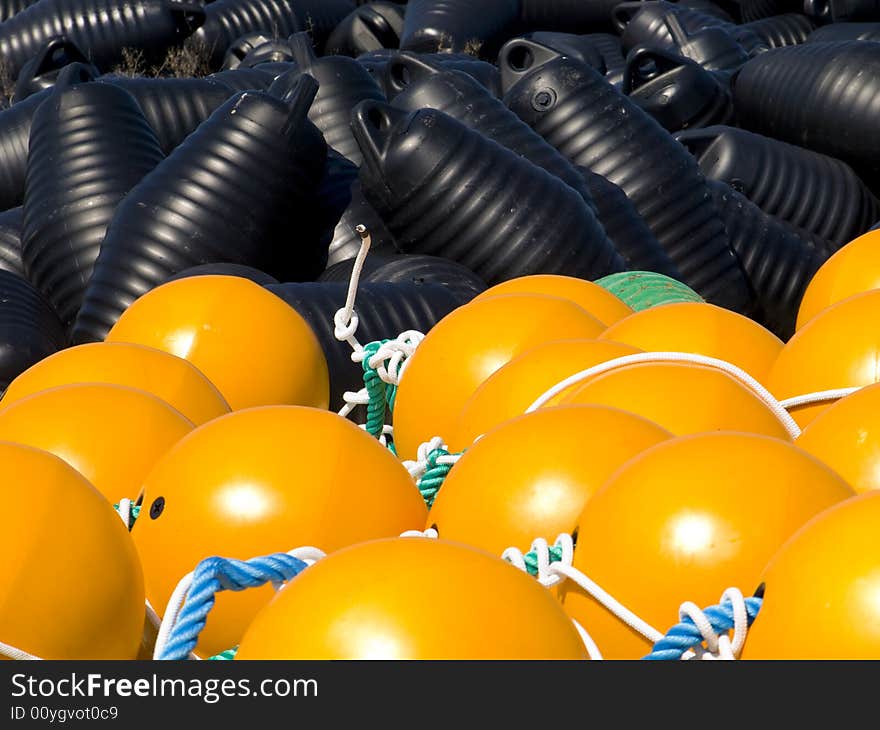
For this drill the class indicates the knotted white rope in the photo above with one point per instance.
(387, 360)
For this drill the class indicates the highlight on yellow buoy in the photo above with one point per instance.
(820, 589)
(703, 329)
(853, 269)
(71, 585)
(465, 348)
(682, 397)
(412, 598)
(176, 381)
(838, 348)
(846, 436)
(511, 389)
(251, 344)
(261, 481)
(687, 519)
(111, 434)
(531, 476)
(599, 302)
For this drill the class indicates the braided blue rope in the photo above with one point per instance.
(213, 575)
(685, 635)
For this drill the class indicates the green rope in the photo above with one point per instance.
(225, 656)
(531, 559)
(435, 474)
(381, 394)
(376, 391)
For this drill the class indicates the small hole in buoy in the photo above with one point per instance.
(377, 119)
(400, 75)
(543, 100)
(157, 507)
(574, 537)
(520, 58)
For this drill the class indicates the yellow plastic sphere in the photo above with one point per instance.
(599, 302)
(261, 481)
(514, 387)
(839, 348)
(687, 519)
(681, 397)
(821, 589)
(703, 329)
(846, 436)
(252, 345)
(853, 269)
(465, 348)
(174, 380)
(71, 585)
(412, 598)
(111, 434)
(532, 476)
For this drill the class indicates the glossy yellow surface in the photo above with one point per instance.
(111, 434)
(174, 380)
(412, 598)
(846, 436)
(681, 397)
(514, 387)
(465, 348)
(266, 480)
(822, 589)
(687, 519)
(599, 302)
(253, 346)
(853, 269)
(532, 476)
(71, 585)
(839, 348)
(703, 329)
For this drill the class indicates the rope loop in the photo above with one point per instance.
(194, 597)
(431, 467)
(541, 556)
(703, 633)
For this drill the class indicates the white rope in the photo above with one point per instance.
(718, 646)
(124, 511)
(645, 357)
(608, 601)
(346, 319)
(550, 574)
(12, 652)
(419, 466)
(818, 397)
(590, 645)
(309, 555)
(541, 549)
(390, 360)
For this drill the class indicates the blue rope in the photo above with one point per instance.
(685, 635)
(213, 575)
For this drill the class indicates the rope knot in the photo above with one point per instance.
(704, 634)
(538, 561)
(431, 467)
